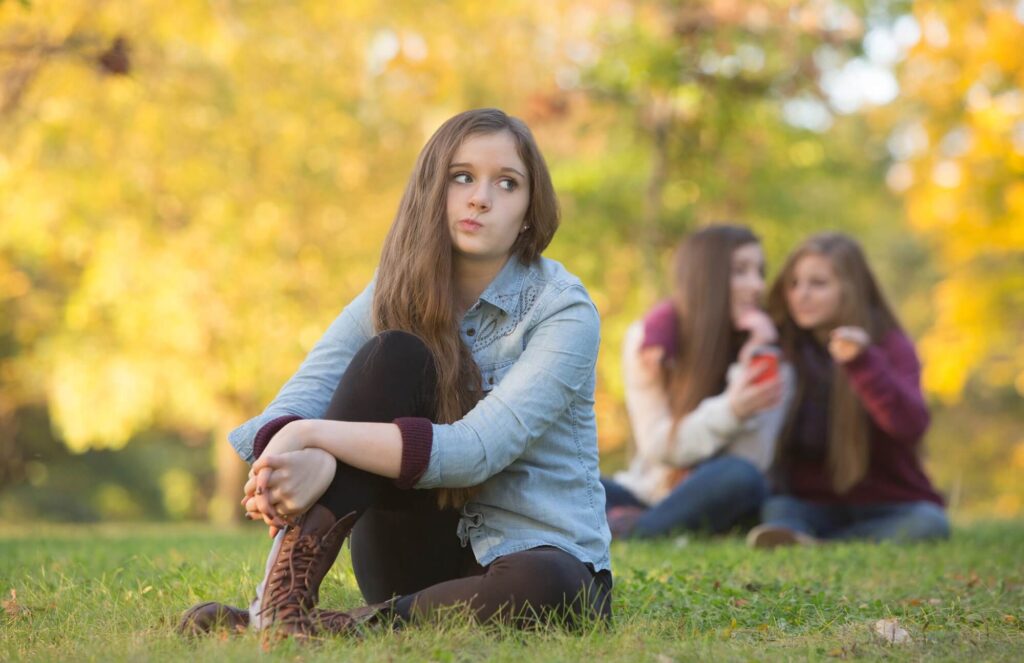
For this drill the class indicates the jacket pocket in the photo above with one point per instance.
(492, 374)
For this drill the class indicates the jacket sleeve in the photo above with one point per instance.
(308, 392)
(555, 370)
(887, 378)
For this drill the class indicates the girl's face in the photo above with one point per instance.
(814, 294)
(488, 195)
(746, 283)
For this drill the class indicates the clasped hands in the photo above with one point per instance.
(288, 477)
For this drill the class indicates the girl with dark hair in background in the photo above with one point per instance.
(445, 419)
(704, 418)
(848, 464)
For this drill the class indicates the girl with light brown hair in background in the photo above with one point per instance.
(848, 463)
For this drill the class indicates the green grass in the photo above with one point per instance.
(115, 593)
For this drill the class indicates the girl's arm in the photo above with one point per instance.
(887, 378)
(705, 431)
(373, 447)
(554, 373)
(647, 404)
(557, 363)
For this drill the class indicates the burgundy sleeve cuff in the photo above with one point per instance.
(268, 431)
(417, 441)
(865, 366)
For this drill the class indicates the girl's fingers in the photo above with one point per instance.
(264, 506)
(271, 461)
(263, 478)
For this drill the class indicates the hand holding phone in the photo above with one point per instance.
(765, 361)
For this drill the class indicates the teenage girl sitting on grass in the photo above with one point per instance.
(848, 465)
(445, 419)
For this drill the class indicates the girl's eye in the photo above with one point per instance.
(508, 184)
(461, 178)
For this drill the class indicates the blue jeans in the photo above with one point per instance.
(714, 497)
(900, 521)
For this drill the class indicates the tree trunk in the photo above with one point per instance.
(658, 124)
(231, 473)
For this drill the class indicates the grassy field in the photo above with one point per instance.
(115, 593)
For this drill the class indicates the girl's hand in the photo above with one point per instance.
(846, 343)
(747, 397)
(291, 482)
(257, 501)
(648, 365)
(762, 331)
(258, 507)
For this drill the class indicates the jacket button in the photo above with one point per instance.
(470, 332)
(490, 380)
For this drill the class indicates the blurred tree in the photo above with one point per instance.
(700, 111)
(959, 162)
(190, 196)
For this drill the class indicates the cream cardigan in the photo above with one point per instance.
(710, 430)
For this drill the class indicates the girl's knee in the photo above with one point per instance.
(926, 521)
(780, 506)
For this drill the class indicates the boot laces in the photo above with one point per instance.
(291, 594)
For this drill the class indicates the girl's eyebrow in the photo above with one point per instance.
(463, 164)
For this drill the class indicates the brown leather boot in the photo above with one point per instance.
(348, 622)
(203, 618)
(298, 562)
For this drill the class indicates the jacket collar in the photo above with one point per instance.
(503, 291)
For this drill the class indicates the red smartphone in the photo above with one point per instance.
(766, 359)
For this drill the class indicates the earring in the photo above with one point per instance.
(524, 229)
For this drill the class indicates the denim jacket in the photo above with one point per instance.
(530, 443)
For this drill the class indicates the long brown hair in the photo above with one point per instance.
(707, 341)
(863, 305)
(415, 290)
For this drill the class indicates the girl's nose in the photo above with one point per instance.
(479, 199)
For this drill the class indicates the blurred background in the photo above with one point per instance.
(191, 191)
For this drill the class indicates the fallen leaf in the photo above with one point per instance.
(890, 631)
(1009, 619)
(739, 603)
(11, 605)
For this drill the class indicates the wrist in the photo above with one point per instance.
(736, 410)
(308, 434)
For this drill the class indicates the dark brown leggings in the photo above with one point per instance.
(405, 546)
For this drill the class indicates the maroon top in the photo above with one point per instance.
(887, 378)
